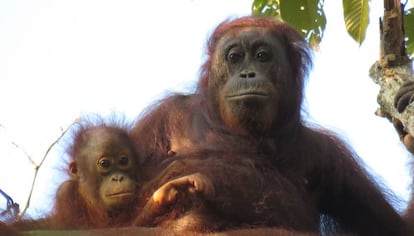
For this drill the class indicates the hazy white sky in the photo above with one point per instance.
(60, 59)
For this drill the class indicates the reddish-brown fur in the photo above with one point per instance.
(102, 189)
(213, 178)
(82, 205)
(224, 173)
(322, 168)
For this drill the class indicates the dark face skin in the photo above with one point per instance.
(105, 167)
(248, 66)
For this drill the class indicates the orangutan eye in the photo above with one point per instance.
(104, 163)
(124, 160)
(263, 56)
(234, 56)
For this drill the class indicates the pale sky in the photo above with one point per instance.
(61, 59)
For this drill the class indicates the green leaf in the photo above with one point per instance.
(356, 18)
(266, 8)
(409, 31)
(307, 16)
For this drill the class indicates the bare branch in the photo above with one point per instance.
(25, 153)
(20, 148)
(37, 167)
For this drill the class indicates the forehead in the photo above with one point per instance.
(102, 133)
(104, 138)
(247, 37)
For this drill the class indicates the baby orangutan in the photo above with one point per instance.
(103, 184)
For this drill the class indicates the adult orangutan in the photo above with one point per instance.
(249, 97)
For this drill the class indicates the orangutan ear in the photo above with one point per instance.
(73, 168)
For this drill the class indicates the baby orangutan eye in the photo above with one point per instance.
(104, 163)
(124, 160)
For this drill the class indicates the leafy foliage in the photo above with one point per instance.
(266, 8)
(309, 18)
(305, 15)
(356, 18)
(409, 31)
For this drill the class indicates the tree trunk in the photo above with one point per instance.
(393, 68)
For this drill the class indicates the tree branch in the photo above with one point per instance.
(393, 68)
(37, 167)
